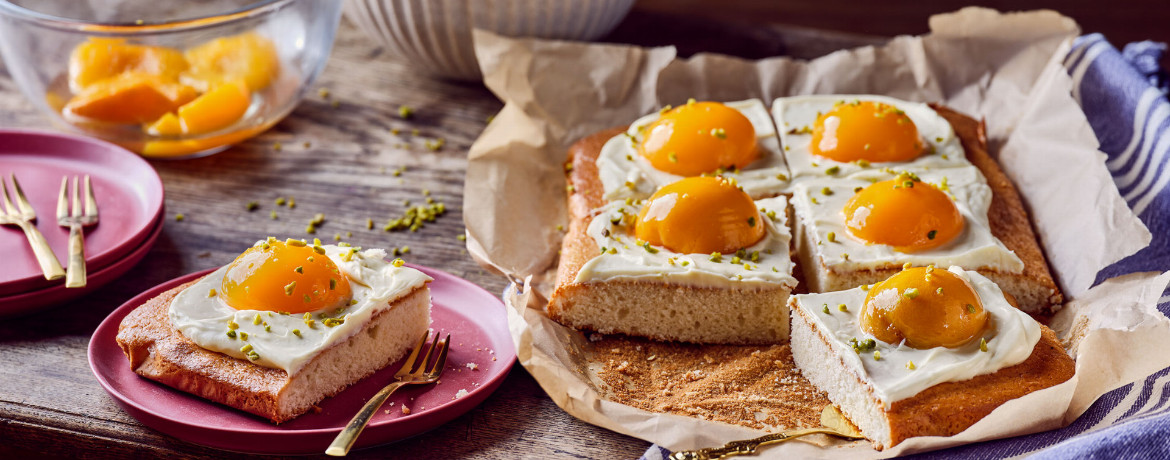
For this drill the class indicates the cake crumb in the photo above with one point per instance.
(405, 410)
(472, 366)
(461, 393)
(753, 386)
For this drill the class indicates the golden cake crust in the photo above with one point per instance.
(949, 408)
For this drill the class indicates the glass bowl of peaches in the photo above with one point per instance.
(167, 78)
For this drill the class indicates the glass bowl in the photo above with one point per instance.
(167, 78)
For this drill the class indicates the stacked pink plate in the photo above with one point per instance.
(129, 195)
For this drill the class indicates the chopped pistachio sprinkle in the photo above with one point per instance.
(252, 206)
(826, 191)
(719, 133)
(233, 325)
(970, 308)
(179, 217)
(292, 202)
(288, 288)
(716, 257)
(843, 307)
(781, 177)
(405, 112)
(398, 262)
(832, 237)
(280, 201)
(930, 235)
(243, 335)
(910, 293)
(826, 309)
(983, 345)
(864, 345)
(877, 355)
(231, 334)
(296, 332)
(833, 170)
(276, 146)
(673, 157)
(906, 266)
(735, 260)
(751, 221)
(211, 293)
(910, 365)
(323, 92)
(257, 320)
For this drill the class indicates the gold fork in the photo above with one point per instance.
(72, 217)
(23, 216)
(407, 375)
(833, 423)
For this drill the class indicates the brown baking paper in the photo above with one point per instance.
(1005, 68)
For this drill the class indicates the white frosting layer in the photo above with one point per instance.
(1011, 336)
(619, 161)
(631, 261)
(974, 248)
(794, 114)
(375, 284)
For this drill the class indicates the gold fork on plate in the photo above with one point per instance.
(72, 217)
(23, 216)
(407, 375)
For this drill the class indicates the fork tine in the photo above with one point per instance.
(91, 208)
(8, 208)
(406, 366)
(63, 199)
(442, 359)
(75, 207)
(422, 366)
(21, 201)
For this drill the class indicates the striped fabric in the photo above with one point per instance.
(1124, 96)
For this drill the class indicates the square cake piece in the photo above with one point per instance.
(893, 391)
(610, 282)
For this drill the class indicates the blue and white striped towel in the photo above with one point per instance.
(1124, 97)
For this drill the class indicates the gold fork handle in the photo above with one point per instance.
(44, 254)
(746, 447)
(344, 440)
(75, 276)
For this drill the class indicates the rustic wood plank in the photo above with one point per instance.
(50, 404)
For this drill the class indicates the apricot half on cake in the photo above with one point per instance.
(283, 276)
(905, 213)
(700, 215)
(924, 307)
(698, 138)
(865, 130)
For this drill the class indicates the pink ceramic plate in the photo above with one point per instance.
(30, 301)
(479, 335)
(128, 190)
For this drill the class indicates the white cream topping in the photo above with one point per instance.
(974, 248)
(1011, 336)
(625, 174)
(795, 117)
(375, 284)
(629, 260)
